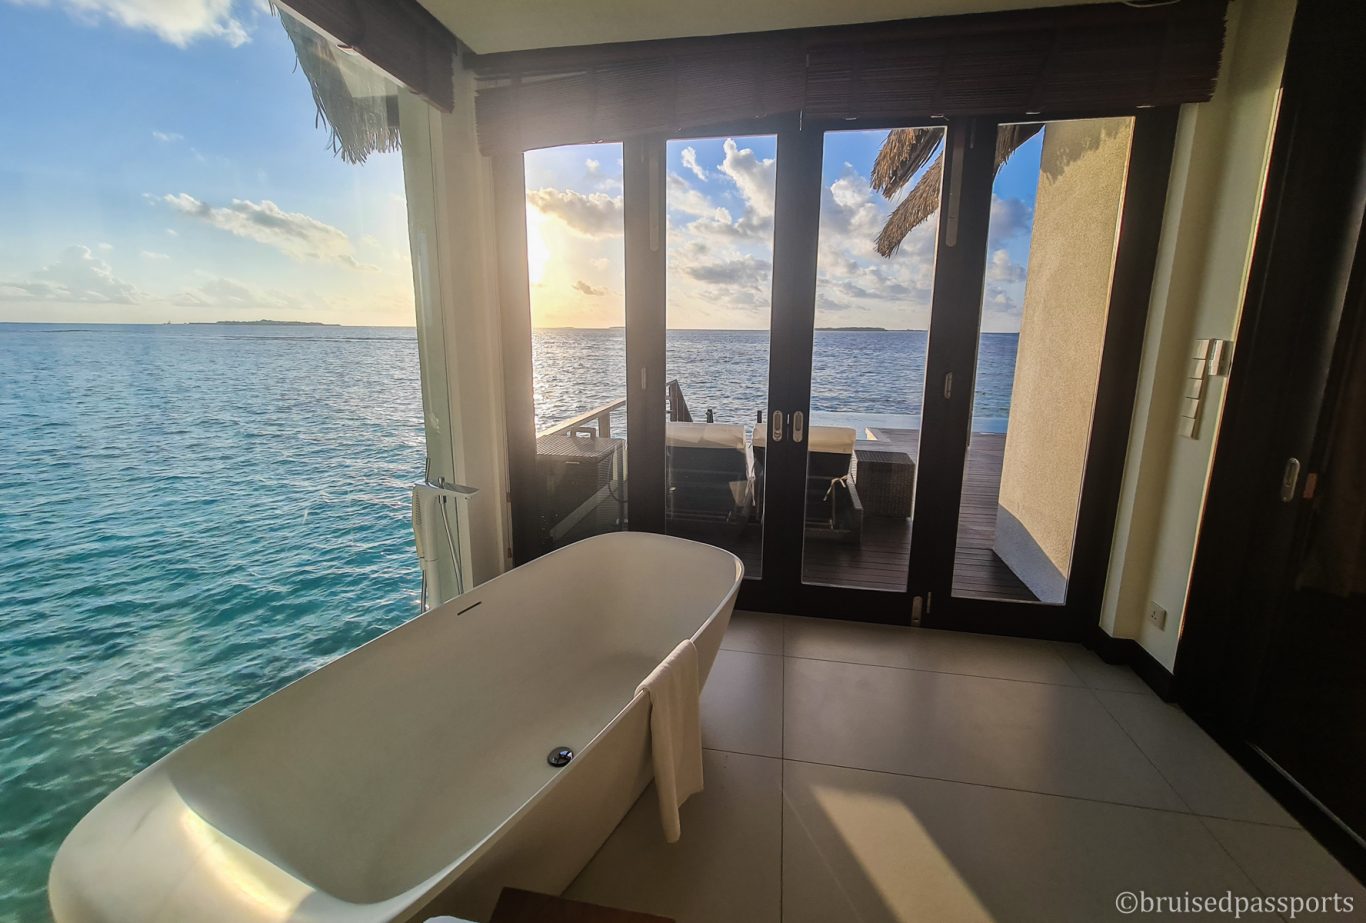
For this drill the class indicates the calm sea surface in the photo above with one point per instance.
(190, 517)
(193, 516)
(853, 372)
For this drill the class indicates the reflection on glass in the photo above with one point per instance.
(875, 275)
(720, 257)
(575, 265)
(1051, 241)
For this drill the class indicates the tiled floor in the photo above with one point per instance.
(863, 773)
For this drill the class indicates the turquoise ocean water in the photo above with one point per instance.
(190, 517)
(193, 516)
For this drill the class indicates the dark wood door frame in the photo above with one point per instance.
(643, 224)
(1308, 272)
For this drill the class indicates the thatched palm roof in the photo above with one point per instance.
(357, 104)
(903, 154)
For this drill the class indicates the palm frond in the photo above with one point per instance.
(1009, 139)
(914, 210)
(902, 155)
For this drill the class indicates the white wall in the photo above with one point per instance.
(1208, 230)
(450, 215)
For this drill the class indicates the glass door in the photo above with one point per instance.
(889, 368)
(957, 369)
(574, 259)
(880, 192)
(719, 200)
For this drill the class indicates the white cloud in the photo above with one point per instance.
(106, 247)
(755, 178)
(1002, 269)
(168, 137)
(1009, 218)
(77, 276)
(593, 215)
(689, 157)
(292, 233)
(153, 255)
(745, 270)
(224, 292)
(892, 292)
(592, 166)
(172, 232)
(179, 22)
(591, 290)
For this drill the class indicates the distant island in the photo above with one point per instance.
(278, 323)
(855, 329)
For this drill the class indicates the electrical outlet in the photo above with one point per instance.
(1157, 615)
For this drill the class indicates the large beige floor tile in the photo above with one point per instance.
(756, 632)
(868, 847)
(1290, 863)
(742, 704)
(1204, 775)
(726, 867)
(1031, 736)
(1098, 674)
(928, 649)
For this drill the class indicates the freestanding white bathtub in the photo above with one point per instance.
(409, 777)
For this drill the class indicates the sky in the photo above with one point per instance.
(162, 163)
(177, 174)
(720, 199)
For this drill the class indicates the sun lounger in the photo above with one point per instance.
(708, 474)
(833, 509)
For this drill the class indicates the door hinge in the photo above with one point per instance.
(948, 385)
(917, 607)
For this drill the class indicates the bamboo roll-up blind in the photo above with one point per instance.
(1102, 57)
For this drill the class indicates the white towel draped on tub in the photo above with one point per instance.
(675, 733)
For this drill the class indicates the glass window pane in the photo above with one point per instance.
(720, 258)
(868, 367)
(575, 263)
(1055, 215)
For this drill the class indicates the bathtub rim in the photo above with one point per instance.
(428, 890)
(405, 905)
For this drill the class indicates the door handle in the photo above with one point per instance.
(1289, 479)
(776, 418)
(798, 426)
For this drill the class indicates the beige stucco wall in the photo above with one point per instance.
(1208, 230)
(1062, 333)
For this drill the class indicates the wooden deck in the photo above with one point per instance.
(880, 560)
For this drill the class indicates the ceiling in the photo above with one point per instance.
(514, 25)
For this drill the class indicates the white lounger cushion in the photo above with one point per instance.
(706, 436)
(836, 440)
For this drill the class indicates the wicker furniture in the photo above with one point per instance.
(579, 475)
(886, 482)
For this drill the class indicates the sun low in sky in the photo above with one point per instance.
(178, 174)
